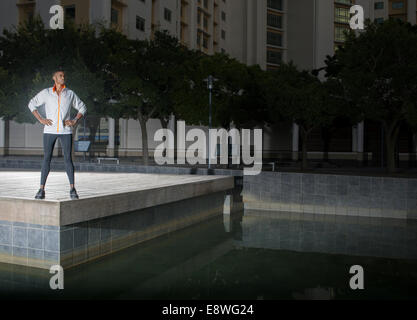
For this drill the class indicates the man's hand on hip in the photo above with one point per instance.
(46, 122)
(70, 123)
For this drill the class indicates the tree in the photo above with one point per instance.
(378, 72)
(31, 53)
(302, 98)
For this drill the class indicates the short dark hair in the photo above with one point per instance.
(59, 69)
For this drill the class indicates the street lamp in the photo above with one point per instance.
(210, 80)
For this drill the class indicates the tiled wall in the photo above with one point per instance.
(18, 241)
(348, 235)
(332, 194)
(43, 246)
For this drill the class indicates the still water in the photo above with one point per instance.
(253, 255)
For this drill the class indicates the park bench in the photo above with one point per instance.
(105, 158)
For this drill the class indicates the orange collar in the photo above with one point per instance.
(54, 88)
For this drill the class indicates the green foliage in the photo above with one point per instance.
(31, 53)
(378, 70)
(302, 98)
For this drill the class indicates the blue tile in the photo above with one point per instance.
(35, 254)
(51, 256)
(105, 229)
(35, 226)
(80, 236)
(93, 232)
(5, 235)
(20, 237)
(67, 240)
(51, 240)
(35, 238)
(5, 249)
(5, 223)
(45, 227)
(68, 227)
(20, 224)
(20, 252)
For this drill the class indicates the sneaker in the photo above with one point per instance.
(40, 194)
(73, 194)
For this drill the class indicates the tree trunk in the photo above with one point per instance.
(164, 123)
(325, 134)
(145, 149)
(391, 135)
(304, 136)
(93, 123)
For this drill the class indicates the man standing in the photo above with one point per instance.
(58, 101)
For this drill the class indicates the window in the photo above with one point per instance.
(206, 4)
(398, 5)
(274, 57)
(114, 16)
(339, 35)
(344, 1)
(274, 39)
(223, 35)
(167, 14)
(205, 42)
(198, 16)
(198, 38)
(223, 16)
(379, 5)
(70, 12)
(274, 20)
(275, 4)
(342, 15)
(140, 23)
(379, 20)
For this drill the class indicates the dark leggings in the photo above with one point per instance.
(49, 140)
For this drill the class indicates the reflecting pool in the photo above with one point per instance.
(251, 255)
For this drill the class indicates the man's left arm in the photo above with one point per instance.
(80, 106)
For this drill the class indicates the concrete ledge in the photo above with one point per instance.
(41, 233)
(131, 195)
(42, 246)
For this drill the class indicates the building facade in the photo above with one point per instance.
(263, 32)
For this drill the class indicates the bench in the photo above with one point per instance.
(82, 146)
(112, 159)
(272, 164)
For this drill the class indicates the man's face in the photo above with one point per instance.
(59, 78)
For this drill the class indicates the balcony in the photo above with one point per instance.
(119, 3)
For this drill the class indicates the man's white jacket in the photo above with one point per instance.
(57, 108)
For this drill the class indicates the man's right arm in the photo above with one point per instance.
(34, 103)
(40, 119)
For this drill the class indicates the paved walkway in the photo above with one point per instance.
(25, 184)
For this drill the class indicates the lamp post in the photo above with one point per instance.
(210, 87)
(210, 80)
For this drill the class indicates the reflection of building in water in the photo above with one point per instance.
(348, 235)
